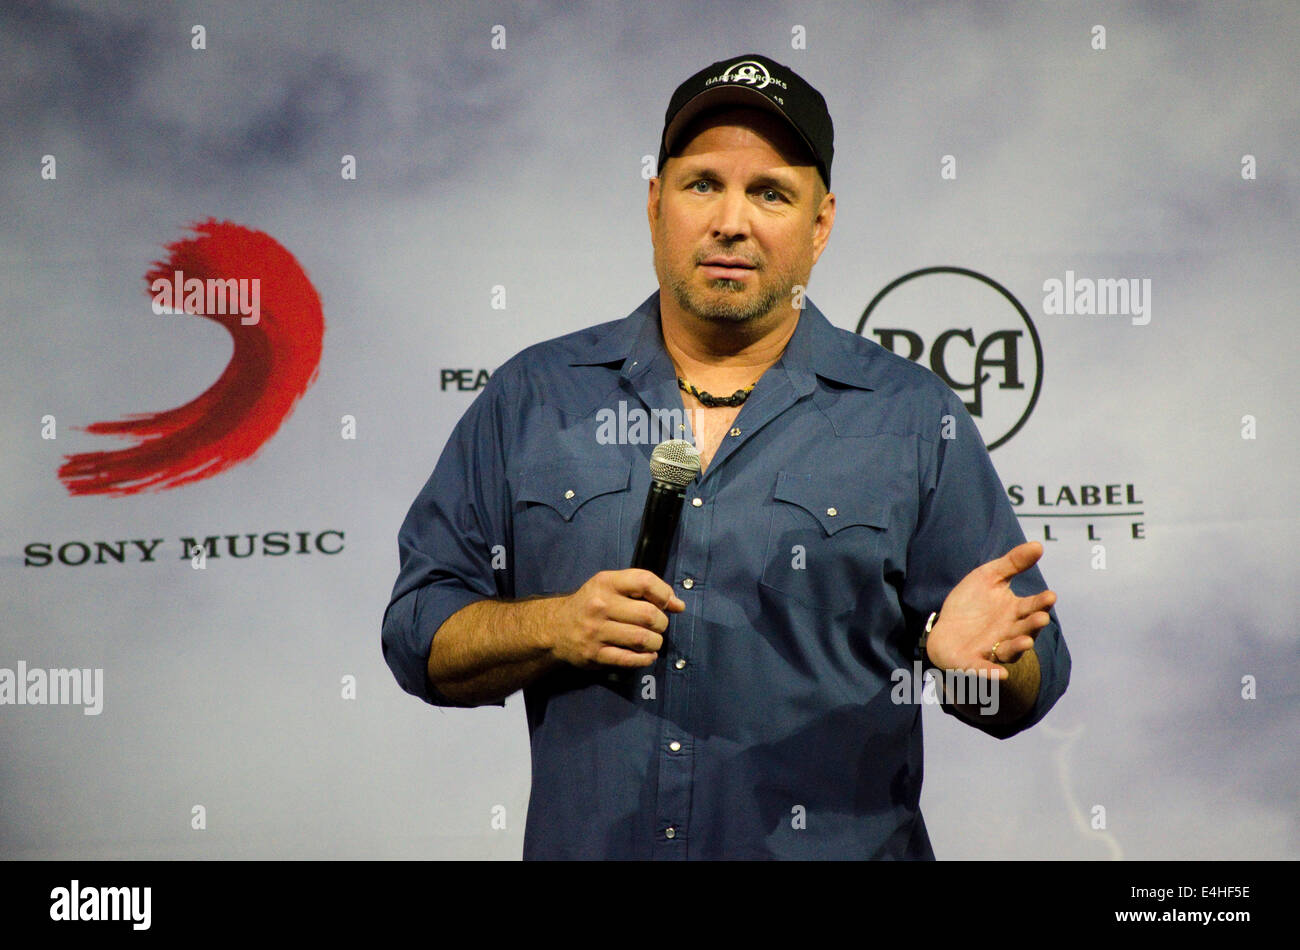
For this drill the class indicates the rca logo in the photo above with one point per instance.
(973, 334)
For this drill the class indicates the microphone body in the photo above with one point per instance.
(673, 465)
(663, 509)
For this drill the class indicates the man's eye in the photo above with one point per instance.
(771, 194)
(695, 185)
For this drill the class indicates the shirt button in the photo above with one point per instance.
(670, 832)
(569, 493)
(675, 746)
(680, 664)
(735, 432)
(688, 583)
(696, 502)
(832, 512)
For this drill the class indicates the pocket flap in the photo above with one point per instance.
(568, 486)
(834, 506)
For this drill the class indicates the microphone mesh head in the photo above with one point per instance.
(675, 462)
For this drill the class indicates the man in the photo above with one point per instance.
(743, 705)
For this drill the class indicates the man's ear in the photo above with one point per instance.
(822, 225)
(652, 207)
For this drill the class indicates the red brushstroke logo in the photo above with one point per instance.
(277, 354)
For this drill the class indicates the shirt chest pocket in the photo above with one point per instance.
(829, 541)
(568, 519)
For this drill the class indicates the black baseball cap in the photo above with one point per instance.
(756, 81)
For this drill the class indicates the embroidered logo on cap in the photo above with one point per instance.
(748, 71)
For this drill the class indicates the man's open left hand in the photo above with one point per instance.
(982, 612)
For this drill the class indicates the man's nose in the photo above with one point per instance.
(731, 215)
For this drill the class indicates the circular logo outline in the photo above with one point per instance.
(1024, 315)
(748, 71)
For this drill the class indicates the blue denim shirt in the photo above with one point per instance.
(832, 520)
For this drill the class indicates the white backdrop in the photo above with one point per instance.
(522, 168)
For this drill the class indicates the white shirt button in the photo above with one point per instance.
(696, 502)
(832, 512)
(675, 746)
(569, 493)
(735, 432)
(680, 664)
(688, 583)
(670, 832)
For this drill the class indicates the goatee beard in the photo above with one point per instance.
(724, 311)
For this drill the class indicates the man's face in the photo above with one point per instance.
(737, 219)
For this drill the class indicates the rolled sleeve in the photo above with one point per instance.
(409, 626)
(451, 545)
(966, 520)
(1054, 676)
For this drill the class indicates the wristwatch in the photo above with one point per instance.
(925, 636)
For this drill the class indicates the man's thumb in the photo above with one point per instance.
(1021, 558)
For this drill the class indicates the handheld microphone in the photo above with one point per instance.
(673, 465)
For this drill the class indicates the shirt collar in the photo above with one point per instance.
(815, 349)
